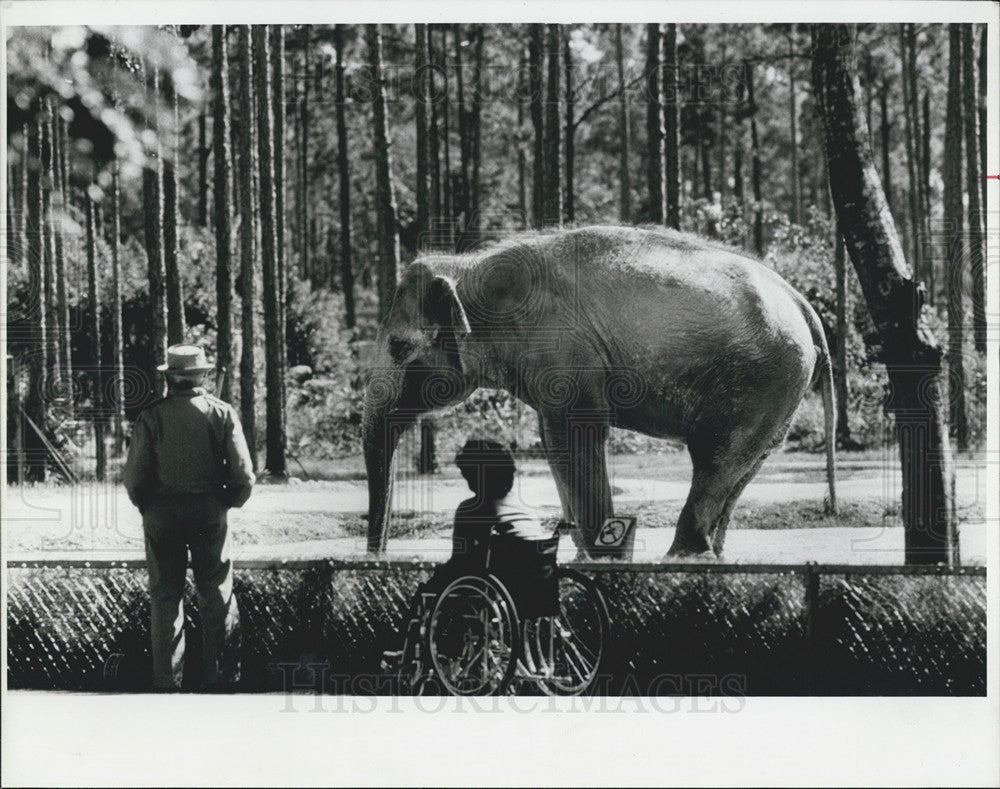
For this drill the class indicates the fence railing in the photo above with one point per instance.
(703, 629)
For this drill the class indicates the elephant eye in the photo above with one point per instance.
(399, 349)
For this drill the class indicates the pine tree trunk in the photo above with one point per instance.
(654, 124)
(434, 176)
(758, 199)
(553, 158)
(793, 112)
(35, 402)
(15, 198)
(385, 198)
(305, 265)
(883, 99)
(671, 129)
(175, 299)
(152, 191)
(925, 158)
(462, 201)
(247, 284)
(60, 209)
(954, 226)
(223, 214)
(94, 341)
(476, 130)
(570, 131)
(982, 119)
(895, 303)
(522, 155)
(840, 361)
(52, 335)
(738, 143)
(537, 122)
(344, 181)
(203, 152)
(976, 239)
(278, 110)
(117, 346)
(273, 352)
(624, 177)
(448, 196)
(913, 180)
(421, 112)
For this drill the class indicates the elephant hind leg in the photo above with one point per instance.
(716, 486)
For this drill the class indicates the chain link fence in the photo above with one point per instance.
(676, 629)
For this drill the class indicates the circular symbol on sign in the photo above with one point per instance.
(612, 533)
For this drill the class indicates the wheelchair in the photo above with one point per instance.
(489, 627)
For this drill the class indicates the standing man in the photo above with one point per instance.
(188, 463)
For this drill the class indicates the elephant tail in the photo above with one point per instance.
(830, 426)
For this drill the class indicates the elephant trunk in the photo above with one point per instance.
(381, 429)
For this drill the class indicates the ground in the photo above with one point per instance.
(779, 518)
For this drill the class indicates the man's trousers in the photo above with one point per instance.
(172, 527)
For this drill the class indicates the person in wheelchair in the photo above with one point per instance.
(494, 532)
(493, 529)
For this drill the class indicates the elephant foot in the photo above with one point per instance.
(693, 557)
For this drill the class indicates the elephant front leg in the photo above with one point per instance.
(576, 450)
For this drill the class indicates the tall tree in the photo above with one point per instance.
(247, 284)
(94, 341)
(522, 154)
(175, 299)
(59, 210)
(894, 299)
(570, 144)
(203, 154)
(52, 335)
(671, 129)
(35, 402)
(278, 95)
(925, 161)
(535, 46)
(462, 207)
(435, 135)
(421, 115)
(273, 352)
(475, 128)
(911, 134)
(954, 227)
(344, 181)
(654, 124)
(385, 197)
(448, 195)
(223, 210)
(840, 359)
(793, 117)
(755, 175)
(884, 129)
(305, 265)
(982, 117)
(624, 177)
(117, 337)
(152, 191)
(977, 238)
(552, 135)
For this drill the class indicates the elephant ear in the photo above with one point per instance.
(443, 308)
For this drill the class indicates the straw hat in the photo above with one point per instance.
(185, 359)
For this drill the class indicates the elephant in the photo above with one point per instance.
(647, 329)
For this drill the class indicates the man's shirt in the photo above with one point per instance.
(188, 443)
(475, 519)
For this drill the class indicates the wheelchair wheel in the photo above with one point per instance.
(563, 653)
(473, 637)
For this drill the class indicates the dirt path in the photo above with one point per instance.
(323, 519)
